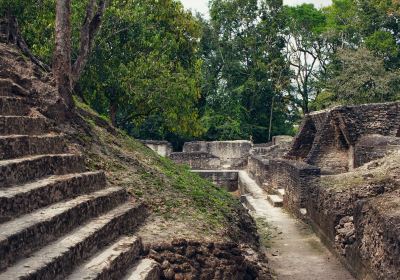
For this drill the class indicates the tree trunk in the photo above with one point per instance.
(271, 115)
(90, 27)
(62, 53)
(113, 113)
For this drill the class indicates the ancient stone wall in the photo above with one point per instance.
(295, 177)
(283, 140)
(377, 232)
(334, 211)
(183, 259)
(304, 140)
(372, 147)
(223, 178)
(275, 149)
(163, 148)
(197, 160)
(327, 139)
(258, 169)
(233, 154)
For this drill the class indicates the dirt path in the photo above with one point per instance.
(295, 252)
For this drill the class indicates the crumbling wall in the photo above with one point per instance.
(227, 179)
(282, 140)
(332, 208)
(377, 232)
(197, 160)
(327, 138)
(258, 169)
(304, 140)
(163, 148)
(332, 149)
(278, 148)
(233, 154)
(295, 177)
(372, 147)
(183, 259)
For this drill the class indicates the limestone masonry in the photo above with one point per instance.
(57, 219)
(340, 174)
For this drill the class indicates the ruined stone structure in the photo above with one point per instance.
(188, 259)
(328, 139)
(224, 178)
(57, 219)
(317, 177)
(220, 161)
(354, 214)
(214, 155)
(162, 148)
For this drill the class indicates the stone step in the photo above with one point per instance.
(112, 262)
(22, 170)
(9, 88)
(275, 200)
(22, 199)
(23, 235)
(145, 269)
(13, 106)
(14, 146)
(23, 125)
(281, 192)
(60, 257)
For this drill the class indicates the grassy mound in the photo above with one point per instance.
(183, 204)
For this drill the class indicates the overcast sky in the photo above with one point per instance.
(202, 5)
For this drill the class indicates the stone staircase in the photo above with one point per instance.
(276, 197)
(57, 220)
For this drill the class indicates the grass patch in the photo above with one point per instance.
(266, 232)
(172, 191)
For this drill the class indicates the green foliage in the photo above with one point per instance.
(363, 39)
(306, 20)
(383, 44)
(323, 101)
(363, 78)
(37, 22)
(159, 72)
(243, 70)
(144, 69)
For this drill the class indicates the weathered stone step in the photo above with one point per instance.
(23, 125)
(275, 200)
(60, 257)
(281, 192)
(112, 262)
(22, 199)
(9, 88)
(22, 170)
(145, 269)
(13, 106)
(13, 146)
(23, 235)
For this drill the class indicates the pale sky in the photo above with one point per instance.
(202, 5)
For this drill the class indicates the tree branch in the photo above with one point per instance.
(90, 27)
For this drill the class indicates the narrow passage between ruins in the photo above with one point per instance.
(295, 252)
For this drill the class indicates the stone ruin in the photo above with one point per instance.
(325, 177)
(220, 161)
(347, 137)
(58, 220)
(162, 148)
